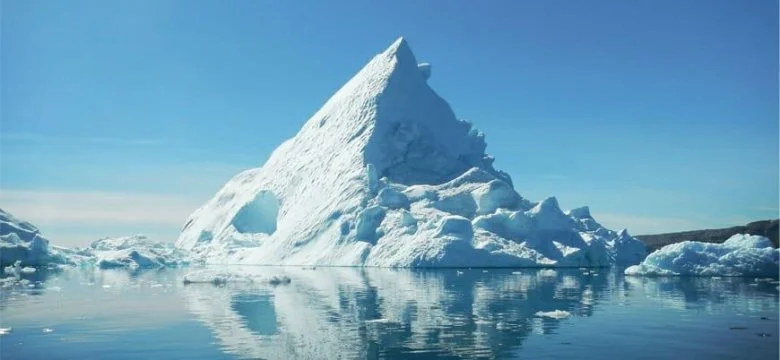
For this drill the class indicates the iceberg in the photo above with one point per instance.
(22, 247)
(22, 244)
(740, 255)
(385, 175)
(134, 252)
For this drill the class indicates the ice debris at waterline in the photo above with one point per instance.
(208, 276)
(17, 269)
(384, 174)
(740, 255)
(23, 244)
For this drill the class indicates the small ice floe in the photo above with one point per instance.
(378, 321)
(517, 273)
(28, 270)
(54, 288)
(47, 330)
(156, 285)
(484, 271)
(106, 286)
(5, 331)
(459, 272)
(555, 314)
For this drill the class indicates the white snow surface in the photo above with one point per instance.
(740, 255)
(384, 174)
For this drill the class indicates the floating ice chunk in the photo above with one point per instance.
(208, 276)
(136, 251)
(47, 330)
(128, 258)
(740, 255)
(555, 314)
(5, 331)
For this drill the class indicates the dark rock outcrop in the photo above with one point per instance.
(768, 228)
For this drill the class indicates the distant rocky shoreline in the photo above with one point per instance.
(768, 228)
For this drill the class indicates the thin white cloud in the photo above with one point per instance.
(32, 137)
(87, 208)
(770, 209)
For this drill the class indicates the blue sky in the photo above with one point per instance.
(122, 117)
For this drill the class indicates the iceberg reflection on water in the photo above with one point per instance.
(331, 312)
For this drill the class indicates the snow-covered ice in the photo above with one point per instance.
(740, 255)
(135, 251)
(22, 242)
(22, 247)
(384, 174)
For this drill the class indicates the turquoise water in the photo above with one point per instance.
(330, 313)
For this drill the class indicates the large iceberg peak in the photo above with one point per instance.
(401, 50)
(385, 174)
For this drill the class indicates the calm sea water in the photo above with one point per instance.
(330, 313)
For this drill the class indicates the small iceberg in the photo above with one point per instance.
(740, 255)
(555, 314)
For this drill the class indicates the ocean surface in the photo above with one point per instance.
(349, 313)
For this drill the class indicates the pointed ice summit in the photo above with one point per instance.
(384, 174)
